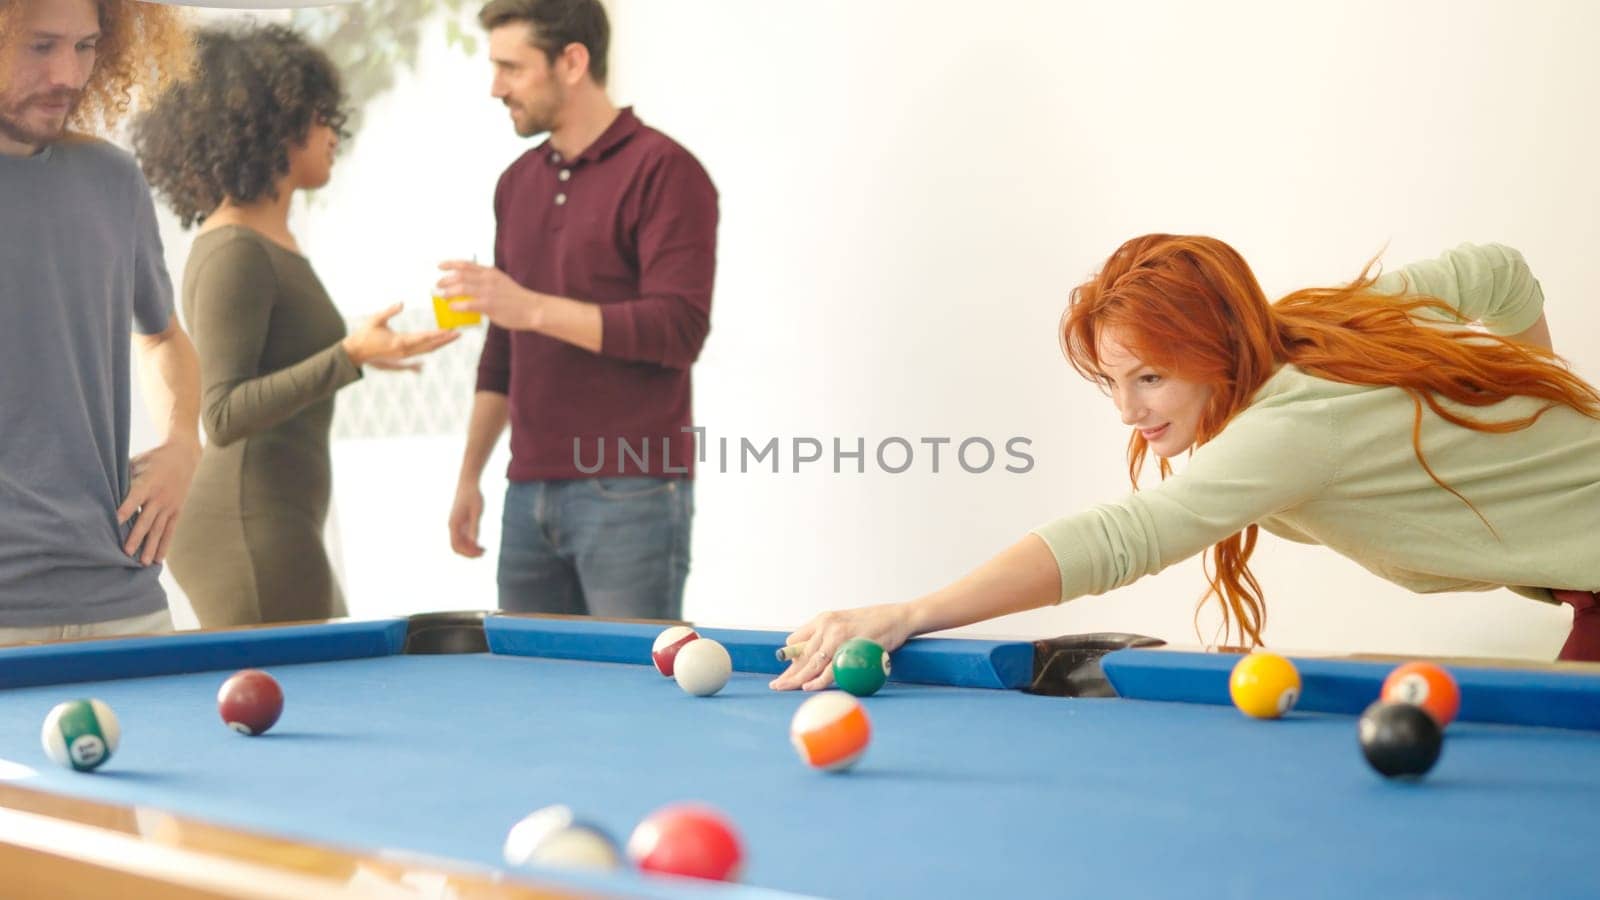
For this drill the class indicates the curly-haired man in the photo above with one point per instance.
(82, 527)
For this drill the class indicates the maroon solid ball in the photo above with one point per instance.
(664, 652)
(250, 701)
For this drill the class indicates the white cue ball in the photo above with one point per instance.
(702, 667)
(555, 837)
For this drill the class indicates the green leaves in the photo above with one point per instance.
(372, 41)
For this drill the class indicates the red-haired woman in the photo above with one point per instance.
(1370, 418)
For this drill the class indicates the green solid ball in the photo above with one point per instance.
(860, 666)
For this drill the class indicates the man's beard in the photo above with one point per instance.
(538, 119)
(11, 119)
(538, 123)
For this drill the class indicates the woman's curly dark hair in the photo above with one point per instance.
(226, 132)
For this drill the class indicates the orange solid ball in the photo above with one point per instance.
(1426, 685)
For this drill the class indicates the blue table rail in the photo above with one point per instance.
(1550, 697)
(954, 663)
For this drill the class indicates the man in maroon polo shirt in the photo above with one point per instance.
(599, 299)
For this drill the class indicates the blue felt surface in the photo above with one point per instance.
(964, 793)
(1544, 698)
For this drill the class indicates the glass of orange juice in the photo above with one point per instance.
(450, 318)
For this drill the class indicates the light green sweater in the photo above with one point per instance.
(1320, 462)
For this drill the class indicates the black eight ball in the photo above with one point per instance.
(1400, 740)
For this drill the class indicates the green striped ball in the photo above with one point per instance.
(81, 734)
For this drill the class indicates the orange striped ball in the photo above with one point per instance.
(830, 731)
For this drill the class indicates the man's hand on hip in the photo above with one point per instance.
(161, 478)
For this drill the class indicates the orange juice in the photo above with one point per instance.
(449, 318)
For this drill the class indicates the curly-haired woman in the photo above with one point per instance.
(1368, 418)
(82, 527)
(228, 149)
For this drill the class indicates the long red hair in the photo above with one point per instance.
(1190, 307)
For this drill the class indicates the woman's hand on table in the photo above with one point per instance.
(889, 625)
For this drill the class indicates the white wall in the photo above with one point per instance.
(909, 189)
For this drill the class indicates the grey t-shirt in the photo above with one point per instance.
(80, 268)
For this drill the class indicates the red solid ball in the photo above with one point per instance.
(250, 701)
(692, 841)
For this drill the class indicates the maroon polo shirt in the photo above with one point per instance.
(629, 224)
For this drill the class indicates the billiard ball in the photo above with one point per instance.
(830, 731)
(690, 840)
(250, 701)
(1426, 685)
(667, 645)
(860, 666)
(1399, 740)
(1264, 685)
(556, 837)
(80, 734)
(702, 667)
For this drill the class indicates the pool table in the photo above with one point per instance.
(408, 747)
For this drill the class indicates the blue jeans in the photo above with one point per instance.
(615, 547)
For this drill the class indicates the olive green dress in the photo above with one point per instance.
(248, 548)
